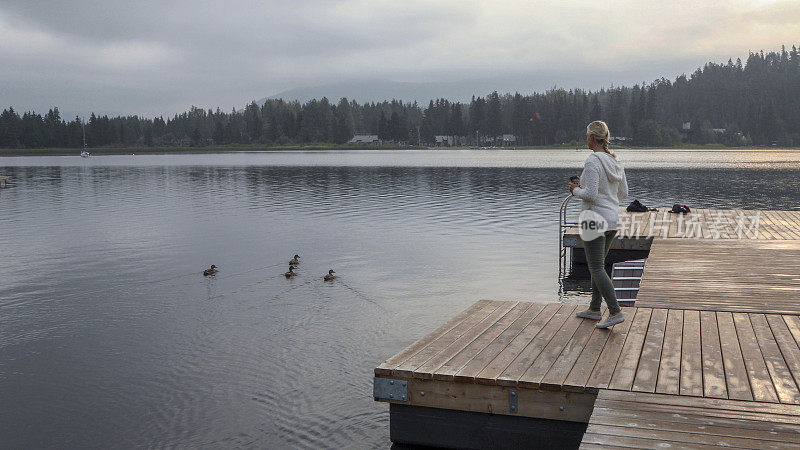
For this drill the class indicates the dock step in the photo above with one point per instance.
(627, 276)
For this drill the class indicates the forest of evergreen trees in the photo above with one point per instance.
(734, 104)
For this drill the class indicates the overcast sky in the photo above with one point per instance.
(160, 57)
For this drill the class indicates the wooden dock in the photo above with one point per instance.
(753, 275)
(637, 230)
(718, 260)
(657, 421)
(540, 361)
(709, 356)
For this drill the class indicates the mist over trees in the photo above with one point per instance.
(752, 103)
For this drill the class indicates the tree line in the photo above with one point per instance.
(752, 103)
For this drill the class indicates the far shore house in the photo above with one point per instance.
(502, 140)
(365, 139)
(449, 141)
(509, 140)
(620, 139)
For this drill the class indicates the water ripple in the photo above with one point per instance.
(111, 337)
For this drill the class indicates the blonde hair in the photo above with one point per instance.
(601, 134)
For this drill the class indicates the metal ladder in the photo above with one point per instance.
(563, 226)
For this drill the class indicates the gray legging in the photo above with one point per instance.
(602, 287)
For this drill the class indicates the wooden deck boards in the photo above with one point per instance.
(637, 230)
(713, 354)
(634, 420)
(748, 275)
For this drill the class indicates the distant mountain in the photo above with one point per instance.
(380, 90)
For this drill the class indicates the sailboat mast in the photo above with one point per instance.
(83, 126)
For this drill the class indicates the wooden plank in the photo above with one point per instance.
(661, 436)
(734, 227)
(550, 354)
(722, 421)
(611, 441)
(606, 363)
(779, 227)
(445, 339)
(786, 343)
(650, 360)
(691, 357)
(555, 376)
(493, 399)
(735, 370)
(683, 401)
(387, 367)
(669, 372)
(792, 219)
(706, 275)
(714, 384)
(530, 353)
(625, 370)
(471, 370)
(774, 222)
(669, 421)
(793, 322)
(517, 346)
(782, 378)
(448, 370)
(790, 224)
(757, 373)
(707, 223)
(590, 446)
(427, 369)
(785, 422)
(739, 226)
(579, 374)
(767, 220)
(773, 229)
(780, 224)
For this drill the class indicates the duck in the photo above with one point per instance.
(329, 276)
(212, 271)
(290, 273)
(295, 261)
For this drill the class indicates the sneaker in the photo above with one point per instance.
(611, 321)
(589, 314)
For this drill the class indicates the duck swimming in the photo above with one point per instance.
(329, 276)
(212, 271)
(290, 273)
(295, 261)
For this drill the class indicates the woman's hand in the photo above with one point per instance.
(572, 187)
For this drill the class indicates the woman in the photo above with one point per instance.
(601, 187)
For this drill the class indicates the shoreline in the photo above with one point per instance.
(323, 147)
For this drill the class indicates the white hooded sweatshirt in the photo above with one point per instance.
(603, 185)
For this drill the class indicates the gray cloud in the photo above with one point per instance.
(155, 57)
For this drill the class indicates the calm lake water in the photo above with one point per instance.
(111, 337)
